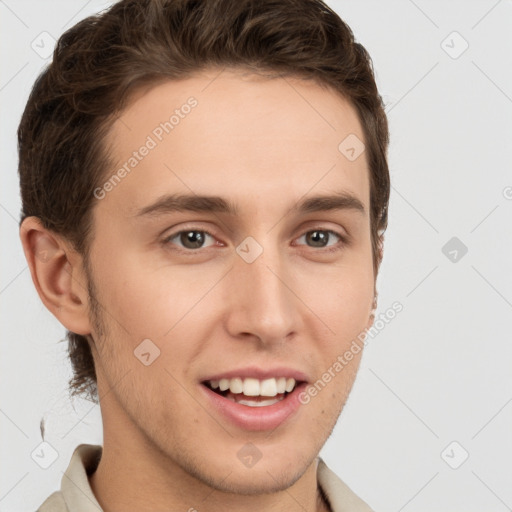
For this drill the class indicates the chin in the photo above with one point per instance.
(280, 465)
(270, 470)
(261, 479)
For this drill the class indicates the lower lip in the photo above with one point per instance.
(268, 417)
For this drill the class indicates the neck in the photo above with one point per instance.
(134, 474)
(130, 482)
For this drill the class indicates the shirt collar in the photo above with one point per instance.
(75, 487)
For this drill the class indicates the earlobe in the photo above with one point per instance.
(57, 274)
(371, 318)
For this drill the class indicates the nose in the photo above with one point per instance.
(261, 301)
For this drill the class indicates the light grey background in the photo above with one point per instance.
(440, 371)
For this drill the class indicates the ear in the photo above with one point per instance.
(380, 255)
(58, 275)
(380, 249)
(371, 317)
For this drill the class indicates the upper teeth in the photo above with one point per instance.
(255, 387)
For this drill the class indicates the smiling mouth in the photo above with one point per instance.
(253, 392)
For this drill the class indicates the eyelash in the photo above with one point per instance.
(343, 239)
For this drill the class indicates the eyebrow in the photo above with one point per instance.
(216, 204)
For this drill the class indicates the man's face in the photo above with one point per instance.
(273, 291)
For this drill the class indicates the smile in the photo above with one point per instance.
(253, 403)
(253, 392)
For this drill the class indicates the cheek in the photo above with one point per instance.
(341, 299)
(141, 301)
(162, 303)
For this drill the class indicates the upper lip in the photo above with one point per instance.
(260, 374)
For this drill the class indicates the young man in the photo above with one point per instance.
(205, 190)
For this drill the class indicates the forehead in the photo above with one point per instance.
(226, 132)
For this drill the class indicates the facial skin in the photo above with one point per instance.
(263, 145)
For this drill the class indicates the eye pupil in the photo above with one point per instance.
(319, 236)
(195, 238)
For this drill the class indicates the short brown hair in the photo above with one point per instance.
(103, 59)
